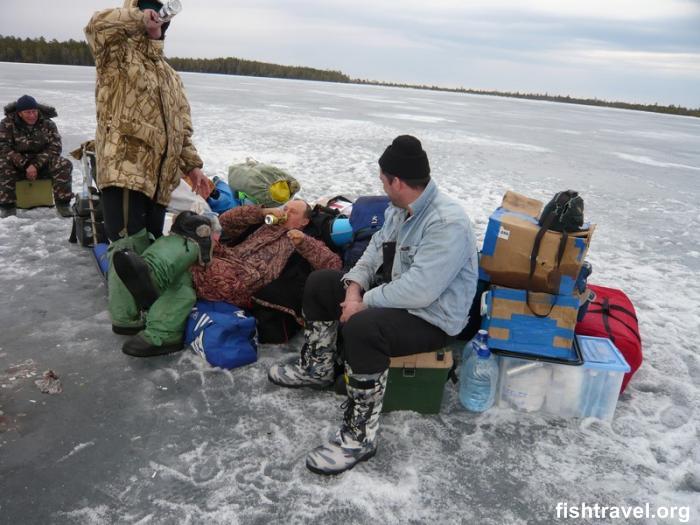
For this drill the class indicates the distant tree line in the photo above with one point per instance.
(39, 51)
(77, 53)
(675, 110)
(252, 68)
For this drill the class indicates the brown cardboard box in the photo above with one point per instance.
(508, 243)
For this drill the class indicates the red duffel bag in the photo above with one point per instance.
(612, 315)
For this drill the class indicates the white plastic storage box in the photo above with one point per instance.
(588, 390)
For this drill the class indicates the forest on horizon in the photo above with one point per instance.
(77, 53)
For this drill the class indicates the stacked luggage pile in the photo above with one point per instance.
(562, 345)
(533, 264)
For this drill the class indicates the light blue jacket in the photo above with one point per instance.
(436, 264)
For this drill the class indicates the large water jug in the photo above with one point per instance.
(478, 376)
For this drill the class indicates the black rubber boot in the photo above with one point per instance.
(7, 210)
(63, 209)
(127, 330)
(196, 227)
(138, 347)
(136, 276)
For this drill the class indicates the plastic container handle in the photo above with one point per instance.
(484, 308)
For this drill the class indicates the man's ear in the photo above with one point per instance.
(305, 222)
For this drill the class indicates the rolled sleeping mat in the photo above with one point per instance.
(341, 233)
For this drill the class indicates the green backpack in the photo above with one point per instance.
(263, 183)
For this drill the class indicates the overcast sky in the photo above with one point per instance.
(632, 50)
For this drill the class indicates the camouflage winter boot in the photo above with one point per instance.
(356, 440)
(315, 367)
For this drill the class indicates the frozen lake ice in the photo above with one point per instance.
(171, 440)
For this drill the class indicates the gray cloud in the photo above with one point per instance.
(643, 50)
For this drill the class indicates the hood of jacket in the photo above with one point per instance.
(44, 110)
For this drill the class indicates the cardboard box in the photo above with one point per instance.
(508, 242)
(417, 382)
(513, 326)
(31, 194)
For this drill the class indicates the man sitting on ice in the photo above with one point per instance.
(161, 279)
(30, 148)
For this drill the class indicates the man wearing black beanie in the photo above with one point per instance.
(427, 300)
(30, 148)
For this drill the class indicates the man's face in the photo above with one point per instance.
(29, 116)
(295, 215)
(390, 188)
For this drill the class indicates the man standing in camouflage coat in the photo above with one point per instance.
(143, 139)
(30, 148)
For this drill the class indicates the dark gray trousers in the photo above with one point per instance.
(371, 337)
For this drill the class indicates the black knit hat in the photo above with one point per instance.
(26, 102)
(405, 159)
(150, 4)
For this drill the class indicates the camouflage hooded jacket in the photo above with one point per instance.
(144, 129)
(25, 145)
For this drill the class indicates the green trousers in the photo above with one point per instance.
(168, 259)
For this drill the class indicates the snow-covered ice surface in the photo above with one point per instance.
(170, 440)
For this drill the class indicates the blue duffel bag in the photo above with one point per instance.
(366, 218)
(222, 333)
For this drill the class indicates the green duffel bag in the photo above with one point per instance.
(263, 183)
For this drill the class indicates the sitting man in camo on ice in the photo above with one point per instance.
(30, 149)
(427, 299)
(161, 279)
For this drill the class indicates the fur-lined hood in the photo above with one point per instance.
(44, 111)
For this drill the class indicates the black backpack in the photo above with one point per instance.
(564, 213)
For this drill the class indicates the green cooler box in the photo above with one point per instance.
(33, 193)
(417, 382)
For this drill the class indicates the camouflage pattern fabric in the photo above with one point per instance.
(144, 129)
(39, 145)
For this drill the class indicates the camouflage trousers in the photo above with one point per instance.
(58, 169)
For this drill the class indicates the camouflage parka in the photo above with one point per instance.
(25, 145)
(143, 140)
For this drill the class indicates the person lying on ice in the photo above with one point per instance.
(161, 285)
(30, 148)
(433, 281)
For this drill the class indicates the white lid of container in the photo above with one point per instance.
(600, 353)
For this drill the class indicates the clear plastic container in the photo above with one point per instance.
(588, 390)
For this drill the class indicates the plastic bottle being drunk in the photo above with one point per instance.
(478, 377)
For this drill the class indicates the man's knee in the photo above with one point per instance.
(60, 168)
(323, 293)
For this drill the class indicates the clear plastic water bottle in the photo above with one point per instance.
(479, 376)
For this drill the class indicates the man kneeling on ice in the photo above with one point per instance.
(160, 283)
(432, 283)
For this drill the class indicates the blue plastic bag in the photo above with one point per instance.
(225, 199)
(222, 333)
